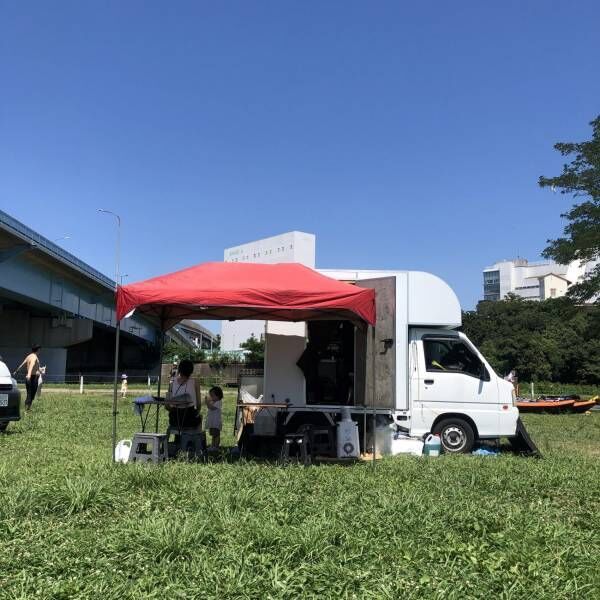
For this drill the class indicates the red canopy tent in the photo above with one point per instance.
(233, 291)
(280, 292)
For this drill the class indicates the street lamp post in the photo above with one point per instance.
(118, 247)
(117, 329)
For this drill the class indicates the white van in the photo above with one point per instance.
(10, 398)
(428, 376)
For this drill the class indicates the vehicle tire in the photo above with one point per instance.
(3, 426)
(456, 435)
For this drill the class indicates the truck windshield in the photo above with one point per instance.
(451, 355)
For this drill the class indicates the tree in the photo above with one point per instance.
(176, 352)
(256, 350)
(219, 360)
(553, 340)
(581, 241)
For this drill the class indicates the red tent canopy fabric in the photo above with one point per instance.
(279, 292)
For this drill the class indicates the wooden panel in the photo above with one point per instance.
(360, 365)
(385, 348)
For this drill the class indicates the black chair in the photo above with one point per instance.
(322, 441)
(296, 448)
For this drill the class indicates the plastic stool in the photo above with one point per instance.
(322, 441)
(148, 447)
(296, 445)
(190, 441)
(193, 443)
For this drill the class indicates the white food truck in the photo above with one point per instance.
(428, 376)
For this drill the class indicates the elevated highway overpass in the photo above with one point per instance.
(50, 297)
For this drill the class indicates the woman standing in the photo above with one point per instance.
(182, 399)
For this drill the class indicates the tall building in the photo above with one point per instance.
(531, 280)
(294, 246)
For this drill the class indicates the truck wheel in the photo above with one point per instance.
(457, 435)
(3, 426)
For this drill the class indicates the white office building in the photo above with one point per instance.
(531, 280)
(295, 246)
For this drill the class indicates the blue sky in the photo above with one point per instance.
(404, 135)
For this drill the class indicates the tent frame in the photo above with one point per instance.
(280, 292)
(115, 411)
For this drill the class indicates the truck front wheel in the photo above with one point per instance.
(457, 435)
(3, 426)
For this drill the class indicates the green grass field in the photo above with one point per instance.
(74, 526)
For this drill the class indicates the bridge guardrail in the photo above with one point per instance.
(43, 242)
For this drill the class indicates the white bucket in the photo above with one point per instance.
(384, 435)
(122, 451)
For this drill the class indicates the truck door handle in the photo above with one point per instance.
(387, 344)
(428, 382)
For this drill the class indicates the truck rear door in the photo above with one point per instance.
(385, 348)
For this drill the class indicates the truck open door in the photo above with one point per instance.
(385, 348)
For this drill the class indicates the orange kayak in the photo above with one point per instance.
(550, 406)
(584, 405)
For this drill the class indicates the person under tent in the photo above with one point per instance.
(182, 398)
(214, 421)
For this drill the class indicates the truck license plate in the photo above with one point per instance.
(3, 399)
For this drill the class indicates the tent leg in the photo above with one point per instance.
(365, 426)
(374, 390)
(115, 391)
(160, 361)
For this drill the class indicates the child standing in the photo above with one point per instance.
(123, 386)
(213, 418)
(41, 380)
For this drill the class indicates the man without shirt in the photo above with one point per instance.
(32, 367)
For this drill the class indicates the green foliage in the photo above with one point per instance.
(176, 352)
(74, 526)
(553, 340)
(256, 350)
(219, 360)
(558, 389)
(581, 241)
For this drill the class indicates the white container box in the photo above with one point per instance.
(407, 445)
